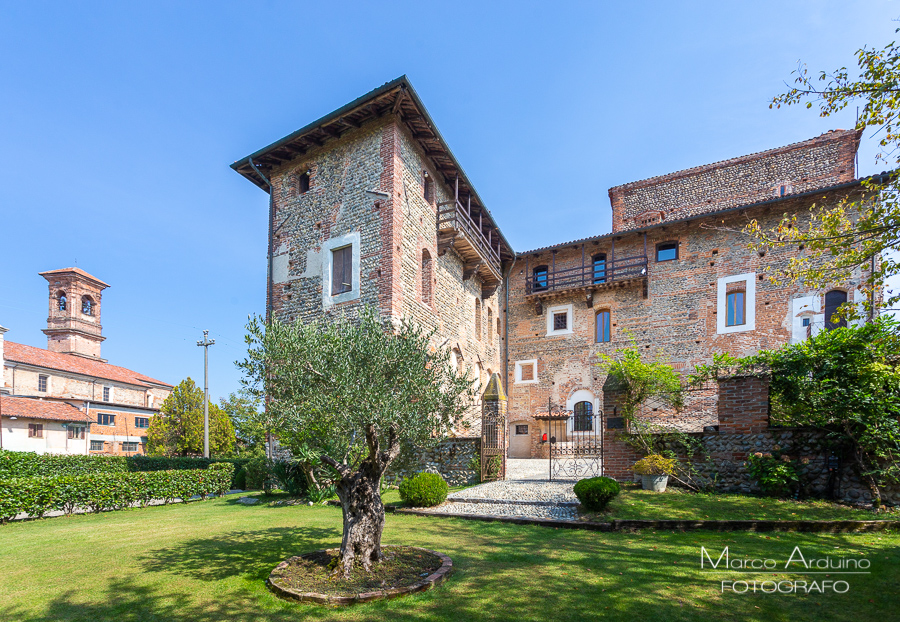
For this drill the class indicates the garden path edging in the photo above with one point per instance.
(820, 526)
(435, 578)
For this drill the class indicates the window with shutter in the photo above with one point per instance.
(341, 274)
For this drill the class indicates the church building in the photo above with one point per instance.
(66, 398)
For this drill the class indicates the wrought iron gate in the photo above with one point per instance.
(573, 442)
(493, 431)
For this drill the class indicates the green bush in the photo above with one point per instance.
(777, 477)
(240, 478)
(424, 490)
(258, 473)
(290, 476)
(595, 493)
(18, 464)
(98, 492)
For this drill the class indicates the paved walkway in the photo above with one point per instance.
(527, 492)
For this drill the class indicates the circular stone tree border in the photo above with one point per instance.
(435, 578)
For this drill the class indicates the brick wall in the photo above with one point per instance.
(743, 405)
(816, 163)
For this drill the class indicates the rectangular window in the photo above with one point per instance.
(142, 422)
(42, 383)
(428, 188)
(526, 372)
(96, 445)
(105, 394)
(667, 251)
(560, 321)
(735, 306)
(806, 321)
(521, 429)
(35, 430)
(129, 446)
(106, 419)
(75, 431)
(603, 326)
(341, 270)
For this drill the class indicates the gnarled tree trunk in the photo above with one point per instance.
(361, 503)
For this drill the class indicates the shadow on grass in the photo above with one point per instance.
(502, 572)
(238, 553)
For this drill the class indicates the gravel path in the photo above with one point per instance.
(559, 512)
(512, 490)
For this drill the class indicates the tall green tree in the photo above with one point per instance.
(245, 413)
(178, 428)
(354, 391)
(859, 231)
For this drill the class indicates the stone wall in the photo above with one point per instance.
(816, 163)
(454, 458)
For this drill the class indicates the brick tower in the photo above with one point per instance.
(73, 326)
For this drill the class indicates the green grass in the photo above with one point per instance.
(675, 503)
(208, 561)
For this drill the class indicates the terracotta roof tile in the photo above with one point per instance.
(40, 409)
(75, 364)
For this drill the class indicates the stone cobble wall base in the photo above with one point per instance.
(454, 458)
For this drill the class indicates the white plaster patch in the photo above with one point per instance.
(350, 239)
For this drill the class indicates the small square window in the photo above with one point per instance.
(528, 371)
(35, 430)
(806, 321)
(142, 422)
(105, 394)
(75, 432)
(521, 429)
(667, 251)
(42, 383)
(96, 445)
(560, 321)
(106, 419)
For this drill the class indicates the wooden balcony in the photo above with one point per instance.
(457, 230)
(620, 272)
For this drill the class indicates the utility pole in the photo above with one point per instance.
(205, 345)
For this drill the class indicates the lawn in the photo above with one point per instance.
(208, 561)
(679, 504)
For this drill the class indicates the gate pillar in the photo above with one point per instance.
(493, 431)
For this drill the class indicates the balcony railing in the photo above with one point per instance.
(593, 276)
(459, 230)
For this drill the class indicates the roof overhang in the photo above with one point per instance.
(397, 98)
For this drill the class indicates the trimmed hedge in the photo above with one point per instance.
(424, 490)
(596, 492)
(97, 492)
(18, 464)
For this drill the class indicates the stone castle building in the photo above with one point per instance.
(368, 205)
(67, 399)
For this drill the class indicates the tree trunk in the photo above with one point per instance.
(361, 504)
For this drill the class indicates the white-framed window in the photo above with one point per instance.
(526, 372)
(340, 269)
(129, 446)
(736, 318)
(42, 383)
(96, 445)
(559, 320)
(106, 393)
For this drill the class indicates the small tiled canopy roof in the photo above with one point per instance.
(39, 357)
(29, 408)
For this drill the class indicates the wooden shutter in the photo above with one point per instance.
(341, 272)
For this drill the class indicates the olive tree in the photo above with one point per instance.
(355, 391)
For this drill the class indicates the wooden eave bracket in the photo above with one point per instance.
(470, 270)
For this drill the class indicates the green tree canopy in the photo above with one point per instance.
(244, 412)
(353, 391)
(178, 428)
(856, 232)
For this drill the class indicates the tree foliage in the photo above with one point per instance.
(178, 428)
(349, 393)
(840, 239)
(245, 412)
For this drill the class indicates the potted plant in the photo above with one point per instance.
(654, 471)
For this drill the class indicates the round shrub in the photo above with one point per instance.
(596, 492)
(424, 490)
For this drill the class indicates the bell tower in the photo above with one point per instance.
(73, 326)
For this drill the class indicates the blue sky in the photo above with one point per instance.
(120, 121)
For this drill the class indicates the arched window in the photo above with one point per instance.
(87, 305)
(599, 268)
(427, 278)
(490, 321)
(478, 319)
(62, 301)
(603, 326)
(833, 300)
(584, 417)
(539, 279)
